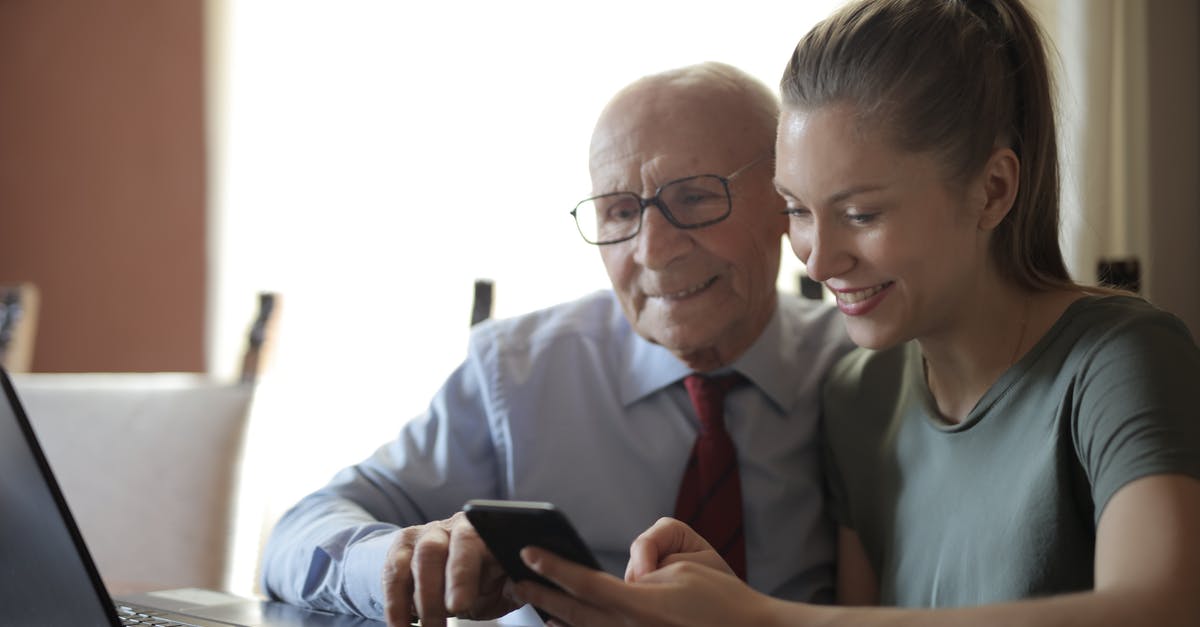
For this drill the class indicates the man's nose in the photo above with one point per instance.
(659, 242)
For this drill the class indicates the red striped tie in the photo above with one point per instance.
(710, 498)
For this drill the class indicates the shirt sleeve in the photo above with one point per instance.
(1134, 413)
(328, 551)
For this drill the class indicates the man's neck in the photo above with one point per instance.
(722, 354)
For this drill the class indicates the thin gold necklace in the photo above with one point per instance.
(1011, 362)
(1020, 338)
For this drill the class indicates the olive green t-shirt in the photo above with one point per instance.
(1005, 504)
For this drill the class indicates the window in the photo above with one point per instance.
(356, 151)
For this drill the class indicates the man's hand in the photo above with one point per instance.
(442, 569)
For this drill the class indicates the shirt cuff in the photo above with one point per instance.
(364, 574)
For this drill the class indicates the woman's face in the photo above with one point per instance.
(902, 250)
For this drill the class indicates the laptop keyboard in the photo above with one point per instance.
(144, 617)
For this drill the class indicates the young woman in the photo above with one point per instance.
(1009, 447)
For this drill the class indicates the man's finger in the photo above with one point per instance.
(397, 579)
(464, 568)
(429, 575)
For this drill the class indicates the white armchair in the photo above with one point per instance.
(149, 467)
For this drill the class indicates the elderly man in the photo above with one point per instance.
(593, 404)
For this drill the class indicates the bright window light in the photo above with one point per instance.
(371, 159)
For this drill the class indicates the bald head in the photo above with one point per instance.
(703, 134)
(733, 108)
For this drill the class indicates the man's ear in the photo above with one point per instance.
(1000, 180)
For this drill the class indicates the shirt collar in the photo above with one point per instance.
(651, 368)
(766, 364)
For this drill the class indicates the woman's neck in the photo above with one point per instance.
(989, 335)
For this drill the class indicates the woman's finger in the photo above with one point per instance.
(594, 587)
(664, 538)
(564, 609)
(709, 559)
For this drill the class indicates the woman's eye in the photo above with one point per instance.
(861, 218)
(798, 212)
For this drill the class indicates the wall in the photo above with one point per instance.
(1173, 56)
(102, 179)
(1129, 92)
(102, 174)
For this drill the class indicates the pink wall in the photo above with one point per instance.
(102, 179)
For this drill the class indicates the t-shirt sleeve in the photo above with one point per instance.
(835, 486)
(838, 395)
(1135, 413)
(858, 402)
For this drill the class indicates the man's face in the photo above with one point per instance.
(706, 293)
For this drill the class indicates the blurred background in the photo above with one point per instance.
(161, 163)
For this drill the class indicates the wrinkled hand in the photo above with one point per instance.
(683, 593)
(442, 569)
(666, 542)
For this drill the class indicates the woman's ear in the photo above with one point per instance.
(1001, 178)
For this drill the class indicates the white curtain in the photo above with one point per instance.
(1100, 47)
(1127, 87)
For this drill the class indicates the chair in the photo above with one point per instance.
(1122, 274)
(148, 464)
(481, 304)
(258, 342)
(151, 464)
(18, 325)
(809, 288)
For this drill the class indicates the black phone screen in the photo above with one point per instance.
(509, 526)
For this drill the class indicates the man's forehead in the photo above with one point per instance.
(629, 165)
(682, 145)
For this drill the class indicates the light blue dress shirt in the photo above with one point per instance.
(570, 405)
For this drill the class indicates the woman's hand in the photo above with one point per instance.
(666, 542)
(683, 594)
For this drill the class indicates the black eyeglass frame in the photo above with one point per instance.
(658, 202)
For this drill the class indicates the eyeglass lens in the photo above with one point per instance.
(689, 202)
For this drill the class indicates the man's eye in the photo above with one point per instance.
(696, 198)
(621, 212)
(861, 218)
(798, 212)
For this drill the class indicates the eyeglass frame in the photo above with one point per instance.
(662, 205)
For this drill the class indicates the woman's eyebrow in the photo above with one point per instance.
(837, 196)
(852, 191)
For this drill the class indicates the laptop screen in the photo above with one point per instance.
(46, 576)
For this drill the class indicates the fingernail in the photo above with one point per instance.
(529, 557)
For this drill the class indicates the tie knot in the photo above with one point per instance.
(708, 397)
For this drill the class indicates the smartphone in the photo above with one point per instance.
(509, 526)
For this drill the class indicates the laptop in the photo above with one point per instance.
(47, 576)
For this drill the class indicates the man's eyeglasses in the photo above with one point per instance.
(687, 203)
